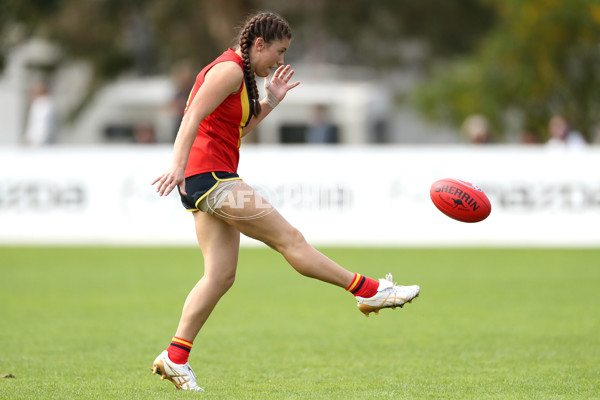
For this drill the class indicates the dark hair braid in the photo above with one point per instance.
(268, 26)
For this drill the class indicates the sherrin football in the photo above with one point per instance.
(460, 200)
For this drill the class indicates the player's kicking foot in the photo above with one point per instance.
(181, 375)
(388, 296)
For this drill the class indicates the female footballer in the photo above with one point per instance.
(222, 108)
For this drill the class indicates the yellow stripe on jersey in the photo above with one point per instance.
(187, 103)
(245, 110)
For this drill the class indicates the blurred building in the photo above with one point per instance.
(360, 106)
(358, 109)
(24, 67)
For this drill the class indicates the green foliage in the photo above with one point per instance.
(142, 36)
(366, 33)
(538, 57)
(372, 33)
(86, 323)
(154, 36)
(372, 30)
(542, 59)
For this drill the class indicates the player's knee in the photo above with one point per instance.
(291, 239)
(222, 282)
(291, 244)
(227, 281)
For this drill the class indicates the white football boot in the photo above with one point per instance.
(388, 296)
(181, 375)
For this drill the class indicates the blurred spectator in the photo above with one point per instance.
(183, 79)
(144, 133)
(380, 130)
(41, 125)
(528, 137)
(561, 134)
(141, 39)
(476, 129)
(322, 129)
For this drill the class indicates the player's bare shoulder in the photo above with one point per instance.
(227, 74)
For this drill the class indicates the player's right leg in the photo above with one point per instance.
(256, 218)
(253, 216)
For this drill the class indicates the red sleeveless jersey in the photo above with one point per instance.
(216, 147)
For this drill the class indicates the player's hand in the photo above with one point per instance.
(169, 181)
(278, 85)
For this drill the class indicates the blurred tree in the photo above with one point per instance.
(541, 59)
(140, 36)
(372, 32)
(150, 36)
(114, 35)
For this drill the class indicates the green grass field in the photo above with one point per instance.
(86, 323)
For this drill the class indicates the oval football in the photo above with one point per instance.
(460, 200)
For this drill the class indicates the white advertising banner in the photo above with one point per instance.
(335, 195)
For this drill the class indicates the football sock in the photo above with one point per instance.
(362, 286)
(179, 350)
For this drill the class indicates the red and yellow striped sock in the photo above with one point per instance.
(179, 350)
(362, 286)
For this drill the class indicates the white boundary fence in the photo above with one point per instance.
(345, 196)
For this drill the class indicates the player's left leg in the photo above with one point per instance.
(219, 243)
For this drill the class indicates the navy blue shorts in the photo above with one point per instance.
(201, 185)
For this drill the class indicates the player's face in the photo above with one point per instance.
(269, 56)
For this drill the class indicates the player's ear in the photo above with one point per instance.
(259, 44)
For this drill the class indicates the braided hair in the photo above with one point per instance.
(270, 27)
